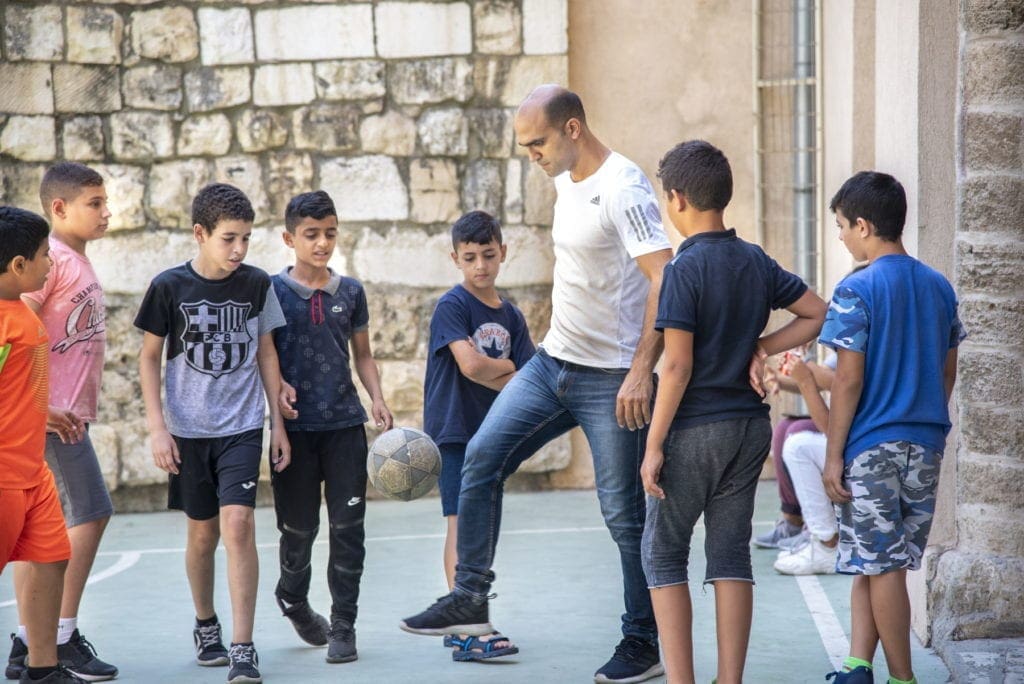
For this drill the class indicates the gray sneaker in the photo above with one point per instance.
(795, 543)
(244, 665)
(341, 642)
(782, 530)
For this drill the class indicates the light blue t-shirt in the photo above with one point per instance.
(902, 315)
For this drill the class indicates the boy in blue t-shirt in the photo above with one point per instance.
(895, 329)
(710, 432)
(326, 315)
(477, 342)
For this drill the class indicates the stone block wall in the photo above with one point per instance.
(976, 587)
(401, 110)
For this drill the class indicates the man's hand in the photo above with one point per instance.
(800, 371)
(280, 449)
(286, 401)
(650, 472)
(165, 451)
(757, 370)
(633, 403)
(381, 415)
(771, 380)
(832, 478)
(69, 427)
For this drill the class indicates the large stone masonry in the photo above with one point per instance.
(976, 589)
(401, 110)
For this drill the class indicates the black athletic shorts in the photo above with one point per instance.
(215, 472)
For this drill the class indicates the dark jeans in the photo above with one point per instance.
(783, 429)
(545, 399)
(336, 458)
(709, 470)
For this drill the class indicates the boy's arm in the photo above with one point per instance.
(803, 375)
(165, 451)
(480, 368)
(633, 402)
(366, 368)
(676, 369)
(68, 426)
(270, 373)
(846, 391)
(949, 372)
(809, 311)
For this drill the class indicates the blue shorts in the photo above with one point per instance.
(710, 470)
(453, 456)
(886, 525)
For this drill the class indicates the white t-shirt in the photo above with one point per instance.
(602, 223)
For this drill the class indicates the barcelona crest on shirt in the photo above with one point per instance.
(216, 337)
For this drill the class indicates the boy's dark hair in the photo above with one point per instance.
(876, 197)
(220, 202)
(700, 172)
(476, 227)
(65, 180)
(316, 205)
(21, 233)
(562, 107)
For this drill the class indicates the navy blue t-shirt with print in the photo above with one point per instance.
(722, 289)
(313, 349)
(454, 406)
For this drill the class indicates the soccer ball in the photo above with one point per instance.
(403, 464)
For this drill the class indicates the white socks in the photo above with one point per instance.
(65, 628)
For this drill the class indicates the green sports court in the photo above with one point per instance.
(559, 598)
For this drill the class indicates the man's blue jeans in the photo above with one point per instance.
(545, 399)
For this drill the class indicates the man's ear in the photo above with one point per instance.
(864, 227)
(573, 128)
(676, 200)
(17, 265)
(58, 207)
(504, 252)
(455, 258)
(199, 233)
(288, 238)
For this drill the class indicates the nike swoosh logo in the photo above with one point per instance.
(354, 501)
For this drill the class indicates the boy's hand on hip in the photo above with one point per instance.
(832, 478)
(757, 370)
(165, 451)
(69, 427)
(633, 402)
(650, 472)
(286, 401)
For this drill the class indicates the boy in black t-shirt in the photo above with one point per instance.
(710, 432)
(477, 342)
(215, 315)
(326, 314)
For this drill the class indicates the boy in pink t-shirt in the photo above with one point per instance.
(70, 306)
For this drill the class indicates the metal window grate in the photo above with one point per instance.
(788, 133)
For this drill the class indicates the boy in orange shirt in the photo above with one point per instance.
(31, 522)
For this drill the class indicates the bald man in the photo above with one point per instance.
(594, 369)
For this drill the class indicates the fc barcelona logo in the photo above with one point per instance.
(216, 338)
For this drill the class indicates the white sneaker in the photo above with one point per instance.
(812, 559)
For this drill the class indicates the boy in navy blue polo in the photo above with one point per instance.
(710, 432)
(326, 314)
(477, 341)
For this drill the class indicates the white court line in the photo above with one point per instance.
(833, 638)
(127, 559)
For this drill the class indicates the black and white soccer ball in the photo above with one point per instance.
(403, 464)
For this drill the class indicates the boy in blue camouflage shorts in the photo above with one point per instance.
(895, 329)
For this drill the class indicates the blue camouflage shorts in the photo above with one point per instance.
(886, 525)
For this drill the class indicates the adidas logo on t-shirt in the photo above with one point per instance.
(596, 199)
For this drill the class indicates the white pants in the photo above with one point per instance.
(804, 456)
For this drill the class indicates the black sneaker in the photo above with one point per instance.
(244, 664)
(310, 625)
(79, 657)
(61, 675)
(16, 661)
(342, 645)
(210, 651)
(634, 660)
(454, 613)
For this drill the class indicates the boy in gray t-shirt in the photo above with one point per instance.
(216, 315)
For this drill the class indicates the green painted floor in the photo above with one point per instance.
(559, 597)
